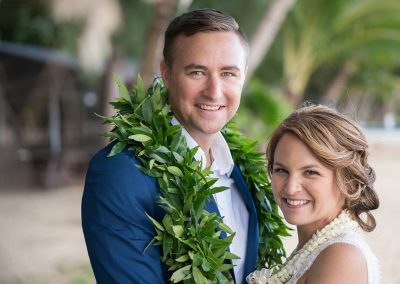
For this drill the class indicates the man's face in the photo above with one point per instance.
(205, 81)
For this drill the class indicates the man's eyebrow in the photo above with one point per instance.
(195, 66)
(233, 67)
(202, 67)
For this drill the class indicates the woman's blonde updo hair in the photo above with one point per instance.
(339, 143)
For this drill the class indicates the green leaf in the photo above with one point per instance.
(178, 157)
(178, 230)
(266, 205)
(161, 159)
(117, 148)
(225, 267)
(147, 171)
(140, 137)
(150, 243)
(123, 91)
(226, 228)
(141, 130)
(215, 190)
(197, 259)
(222, 278)
(158, 225)
(175, 171)
(156, 100)
(229, 255)
(195, 165)
(147, 111)
(140, 94)
(165, 178)
(163, 149)
(198, 276)
(178, 275)
(205, 265)
(178, 144)
(171, 130)
(167, 222)
(112, 135)
(182, 258)
(167, 244)
(173, 190)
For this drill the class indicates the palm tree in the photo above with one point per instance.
(266, 32)
(325, 32)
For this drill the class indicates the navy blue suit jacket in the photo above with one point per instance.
(116, 197)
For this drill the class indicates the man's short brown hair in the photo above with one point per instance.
(202, 20)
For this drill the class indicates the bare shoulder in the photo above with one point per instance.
(339, 263)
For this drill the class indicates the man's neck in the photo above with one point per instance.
(205, 142)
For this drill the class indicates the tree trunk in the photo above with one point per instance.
(109, 90)
(291, 96)
(266, 32)
(334, 91)
(155, 38)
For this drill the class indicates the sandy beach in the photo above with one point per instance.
(41, 239)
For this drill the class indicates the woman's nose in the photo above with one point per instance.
(292, 185)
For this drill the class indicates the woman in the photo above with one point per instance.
(321, 180)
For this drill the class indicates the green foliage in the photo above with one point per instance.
(261, 111)
(255, 8)
(190, 236)
(321, 36)
(136, 16)
(30, 23)
(252, 165)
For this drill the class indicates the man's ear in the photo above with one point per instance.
(164, 73)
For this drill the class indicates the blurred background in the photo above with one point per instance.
(57, 59)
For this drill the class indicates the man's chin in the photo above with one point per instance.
(212, 130)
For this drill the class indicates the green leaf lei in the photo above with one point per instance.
(190, 236)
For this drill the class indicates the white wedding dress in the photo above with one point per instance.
(343, 229)
(348, 237)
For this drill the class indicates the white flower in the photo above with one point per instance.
(259, 276)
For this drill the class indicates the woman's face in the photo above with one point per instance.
(304, 187)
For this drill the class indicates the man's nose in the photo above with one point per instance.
(214, 87)
(292, 185)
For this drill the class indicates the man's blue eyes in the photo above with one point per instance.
(201, 73)
(197, 73)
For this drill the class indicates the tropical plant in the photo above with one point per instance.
(319, 33)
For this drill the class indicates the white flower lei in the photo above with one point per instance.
(341, 223)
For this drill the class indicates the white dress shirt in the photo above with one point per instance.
(230, 203)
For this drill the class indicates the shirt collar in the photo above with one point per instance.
(223, 162)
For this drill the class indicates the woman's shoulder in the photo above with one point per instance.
(339, 263)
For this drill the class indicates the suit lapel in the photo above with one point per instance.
(211, 205)
(253, 232)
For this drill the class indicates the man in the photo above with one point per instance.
(204, 69)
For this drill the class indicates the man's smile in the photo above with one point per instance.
(210, 107)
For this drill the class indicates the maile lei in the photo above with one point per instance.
(190, 236)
